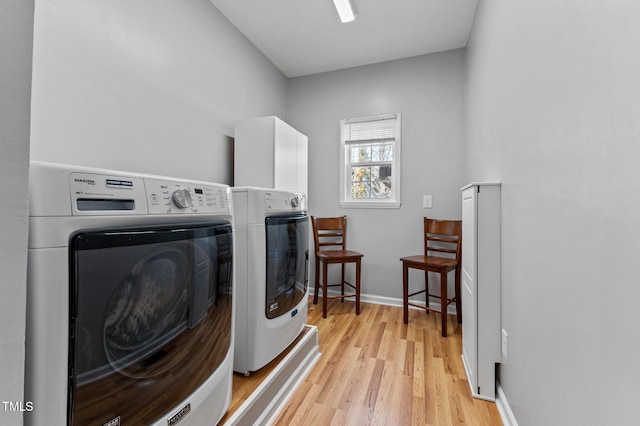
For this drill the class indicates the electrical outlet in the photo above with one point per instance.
(427, 201)
(504, 343)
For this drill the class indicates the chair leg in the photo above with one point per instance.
(357, 287)
(342, 284)
(405, 292)
(316, 282)
(443, 301)
(426, 287)
(324, 289)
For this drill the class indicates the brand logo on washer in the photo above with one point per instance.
(114, 422)
(87, 181)
(179, 415)
(117, 183)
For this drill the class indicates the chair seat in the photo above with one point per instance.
(429, 261)
(338, 255)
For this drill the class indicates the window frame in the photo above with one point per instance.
(345, 166)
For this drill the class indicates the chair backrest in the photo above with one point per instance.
(442, 236)
(329, 232)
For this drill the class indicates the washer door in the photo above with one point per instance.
(148, 309)
(287, 263)
(150, 319)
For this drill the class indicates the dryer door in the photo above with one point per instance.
(287, 263)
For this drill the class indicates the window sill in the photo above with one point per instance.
(370, 204)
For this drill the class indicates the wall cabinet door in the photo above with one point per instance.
(468, 287)
(480, 287)
(270, 153)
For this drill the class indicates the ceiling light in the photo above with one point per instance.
(345, 10)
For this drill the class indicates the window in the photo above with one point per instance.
(370, 161)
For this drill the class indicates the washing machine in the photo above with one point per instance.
(130, 296)
(272, 257)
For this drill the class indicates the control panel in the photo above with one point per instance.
(177, 197)
(284, 201)
(96, 194)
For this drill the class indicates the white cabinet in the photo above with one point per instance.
(481, 286)
(270, 153)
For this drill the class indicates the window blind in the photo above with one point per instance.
(370, 130)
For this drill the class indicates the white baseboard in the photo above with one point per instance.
(508, 419)
(388, 301)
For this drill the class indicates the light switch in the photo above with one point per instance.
(427, 202)
(504, 343)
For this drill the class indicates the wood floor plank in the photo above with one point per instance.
(417, 411)
(359, 415)
(354, 393)
(296, 412)
(338, 383)
(418, 373)
(373, 387)
(339, 417)
(319, 414)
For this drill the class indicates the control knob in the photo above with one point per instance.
(295, 201)
(182, 198)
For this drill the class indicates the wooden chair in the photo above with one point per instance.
(332, 232)
(440, 236)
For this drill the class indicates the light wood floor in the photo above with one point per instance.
(375, 370)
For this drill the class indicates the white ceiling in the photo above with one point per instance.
(304, 37)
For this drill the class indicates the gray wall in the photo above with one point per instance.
(553, 111)
(428, 92)
(16, 36)
(150, 86)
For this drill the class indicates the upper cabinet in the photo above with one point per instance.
(270, 153)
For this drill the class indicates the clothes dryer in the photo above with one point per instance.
(272, 254)
(129, 298)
